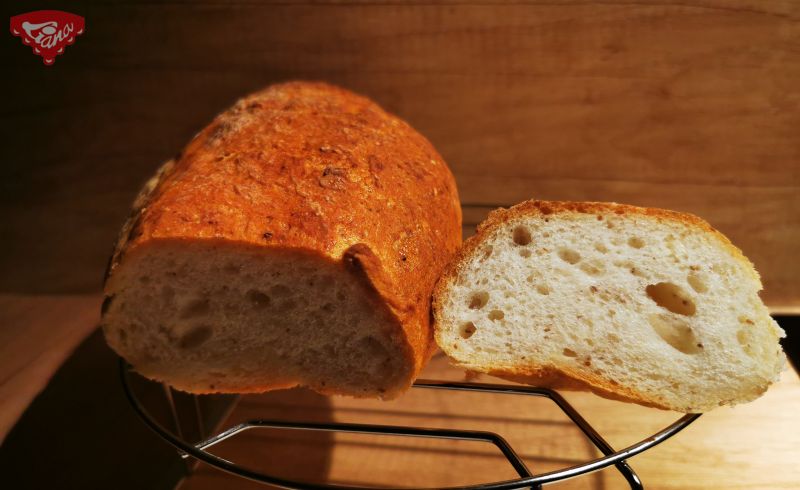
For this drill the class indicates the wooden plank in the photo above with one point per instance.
(691, 106)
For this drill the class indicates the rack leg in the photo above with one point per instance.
(176, 422)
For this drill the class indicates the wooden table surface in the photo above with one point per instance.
(750, 446)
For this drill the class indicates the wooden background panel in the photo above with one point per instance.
(694, 107)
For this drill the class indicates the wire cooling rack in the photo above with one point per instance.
(526, 479)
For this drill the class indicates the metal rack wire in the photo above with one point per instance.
(526, 479)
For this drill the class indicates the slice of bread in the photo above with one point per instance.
(645, 305)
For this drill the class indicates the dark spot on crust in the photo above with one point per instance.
(403, 257)
(219, 132)
(374, 163)
(333, 178)
(252, 106)
(593, 288)
(267, 235)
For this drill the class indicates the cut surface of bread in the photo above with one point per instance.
(640, 304)
(211, 317)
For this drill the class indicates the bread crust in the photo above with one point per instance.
(561, 377)
(309, 166)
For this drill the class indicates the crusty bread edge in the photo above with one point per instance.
(552, 377)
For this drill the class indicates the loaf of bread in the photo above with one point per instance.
(295, 241)
(644, 305)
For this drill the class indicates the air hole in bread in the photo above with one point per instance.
(375, 349)
(524, 252)
(478, 300)
(495, 315)
(676, 333)
(569, 353)
(467, 330)
(258, 299)
(744, 337)
(636, 242)
(671, 297)
(195, 337)
(195, 308)
(601, 248)
(697, 281)
(592, 268)
(570, 256)
(522, 235)
(542, 289)
(487, 252)
(746, 321)
(636, 272)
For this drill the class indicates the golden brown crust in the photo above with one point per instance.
(311, 166)
(548, 376)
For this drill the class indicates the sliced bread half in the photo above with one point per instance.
(645, 305)
(294, 241)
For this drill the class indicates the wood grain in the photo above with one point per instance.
(692, 106)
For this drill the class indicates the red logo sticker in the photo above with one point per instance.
(47, 32)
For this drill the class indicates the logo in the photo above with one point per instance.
(47, 32)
